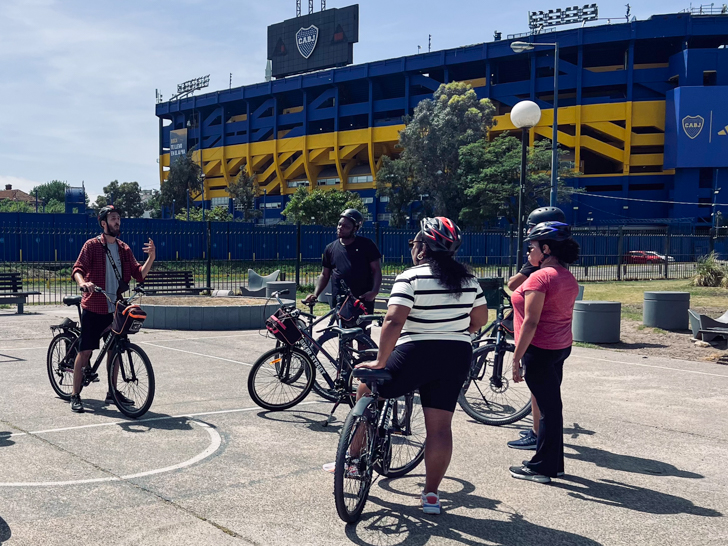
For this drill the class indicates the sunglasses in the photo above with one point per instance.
(413, 242)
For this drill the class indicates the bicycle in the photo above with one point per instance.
(383, 436)
(499, 401)
(130, 380)
(283, 376)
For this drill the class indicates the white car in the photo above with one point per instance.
(661, 256)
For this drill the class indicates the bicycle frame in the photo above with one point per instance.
(497, 347)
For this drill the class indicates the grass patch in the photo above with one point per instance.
(631, 294)
(660, 331)
(586, 345)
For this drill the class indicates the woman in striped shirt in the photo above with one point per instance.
(425, 340)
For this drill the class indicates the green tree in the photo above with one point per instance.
(54, 206)
(127, 196)
(431, 143)
(396, 181)
(490, 173)
(154, 205)
(55, 189)
(6, 205)
(244, 189)
(184, 175)
(218, 214)
(320, 207)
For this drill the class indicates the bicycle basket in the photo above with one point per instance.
(127, 320)
(351, 309)
(283, 326)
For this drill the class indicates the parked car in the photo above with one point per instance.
(641, 257)
(661, 256)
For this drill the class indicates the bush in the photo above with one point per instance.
(710, 272)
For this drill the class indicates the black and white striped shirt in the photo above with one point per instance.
(436, 312)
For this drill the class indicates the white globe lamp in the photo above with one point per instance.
(525, 114)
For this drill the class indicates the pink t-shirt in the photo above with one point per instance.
(554, 326)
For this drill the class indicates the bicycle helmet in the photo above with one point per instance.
(353, 215)
(545, 214)
(104, 212)
(441, 234)
(554, 231)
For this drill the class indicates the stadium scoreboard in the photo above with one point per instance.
(313, 42)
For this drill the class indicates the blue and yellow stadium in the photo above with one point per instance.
(643, 114)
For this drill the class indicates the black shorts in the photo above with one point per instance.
(437, 368)
(92, 328)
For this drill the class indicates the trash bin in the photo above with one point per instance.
(666, 310)
(597, 321)
(276, 286)
(492, 287)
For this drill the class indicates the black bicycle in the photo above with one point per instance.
(489, 394)
(283, 376)
(387, 437)
(130, 373)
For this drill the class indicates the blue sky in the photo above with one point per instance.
(79, 76)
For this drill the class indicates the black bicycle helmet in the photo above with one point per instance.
(554, 231)
(545, 214)
(353, 215)
(441, 234)
(104, 212)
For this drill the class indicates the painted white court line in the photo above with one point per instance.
(215, 443)
(653, 366)
(209, 337)
(22, 348)
(150, 419)
(196, 354)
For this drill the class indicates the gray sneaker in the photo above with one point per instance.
(525, 473)
(558, 474)
(528, 441)
(76, 404)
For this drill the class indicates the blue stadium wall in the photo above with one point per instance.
(632, 97)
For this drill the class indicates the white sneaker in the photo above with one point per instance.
(430, 503)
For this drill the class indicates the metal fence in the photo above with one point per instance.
(220, 253)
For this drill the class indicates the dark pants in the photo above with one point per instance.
(544, 371)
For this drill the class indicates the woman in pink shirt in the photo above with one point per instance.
(543, 307)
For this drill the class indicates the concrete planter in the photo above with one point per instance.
(218, 317)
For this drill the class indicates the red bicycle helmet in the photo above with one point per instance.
(441, 234)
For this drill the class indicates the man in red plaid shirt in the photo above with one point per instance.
(108, 263)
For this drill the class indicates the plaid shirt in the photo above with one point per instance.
(91, 263)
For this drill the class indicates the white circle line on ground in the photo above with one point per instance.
(196, 354)
(651, 366)
(215, 443)
(161, 418)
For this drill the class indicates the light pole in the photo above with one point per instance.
(524, 115)
(520, 47)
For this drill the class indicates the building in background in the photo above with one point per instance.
(641, 114)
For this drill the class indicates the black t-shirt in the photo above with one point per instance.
(528, 269)
(351, 263)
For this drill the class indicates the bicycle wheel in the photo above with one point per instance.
(133, 388)
(405, 448)
(354, 468)
(330, 342)
(497, 401)
(281, 378)
(60, 361)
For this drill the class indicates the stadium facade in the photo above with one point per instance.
(642, 114)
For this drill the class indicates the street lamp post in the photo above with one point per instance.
(519, 47)
(524, 115)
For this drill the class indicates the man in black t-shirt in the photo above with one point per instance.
(353, 259)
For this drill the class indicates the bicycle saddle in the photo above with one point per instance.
(347, 333)
(72, 300)
(372, 376)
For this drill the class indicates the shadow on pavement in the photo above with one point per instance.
(626, 463)
(5, 532)
(5, 439)
(7, 359)
(390, 523)
(577, 431)
(300, 418)
(622, 495)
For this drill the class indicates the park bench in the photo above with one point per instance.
(171, 283)
(380, 303)
(11, 290)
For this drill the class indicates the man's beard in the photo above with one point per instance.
(112, 232)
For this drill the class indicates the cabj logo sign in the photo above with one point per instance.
(306, 39)
(693, 125)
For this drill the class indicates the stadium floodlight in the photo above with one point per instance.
(566, 16)
(190, 86)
